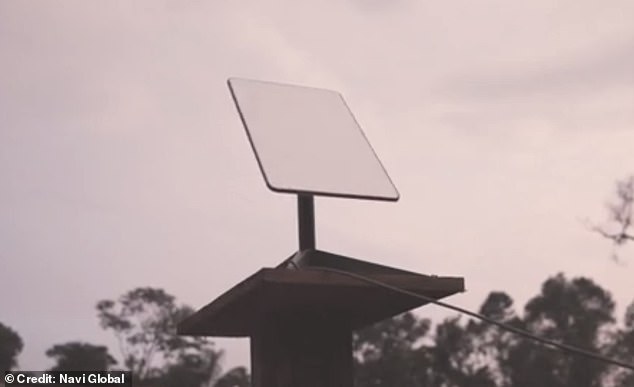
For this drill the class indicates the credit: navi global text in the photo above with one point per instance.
(68, 378)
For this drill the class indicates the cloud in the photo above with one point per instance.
(592, 72)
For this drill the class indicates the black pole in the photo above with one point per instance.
(306, 222)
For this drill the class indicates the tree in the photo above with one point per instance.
(449, 353)
(10, 347)
(144, 321)
(623, 349)
(459, 356)
(78, 356)
(386, 354)
(574, 312)
(620, 214)
(192, 369)
(490, 345)
(474, 353)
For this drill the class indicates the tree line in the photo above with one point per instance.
(405, 351)
(410, 351)
(143, 322)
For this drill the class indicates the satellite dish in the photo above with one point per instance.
(307, 142)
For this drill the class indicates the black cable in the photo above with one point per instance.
(517, 331)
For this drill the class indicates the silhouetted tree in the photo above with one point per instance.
(191, 369)
(457, 356)
(10, 347)
(621, 214)
(78, 356)
(472, 353)
(487, 363)
(144, 321)
(570, 311)
(623, 349)
(448, 353)
(389, 353)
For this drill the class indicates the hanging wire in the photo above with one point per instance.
(550, 343)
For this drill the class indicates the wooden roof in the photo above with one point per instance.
(312, 291)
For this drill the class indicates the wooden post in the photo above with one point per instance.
(301, 352)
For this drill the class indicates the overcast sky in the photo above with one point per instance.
(123, 162)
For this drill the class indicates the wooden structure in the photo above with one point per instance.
(300, 316)
(300, 320)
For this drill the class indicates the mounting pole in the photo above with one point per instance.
(306, 221)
